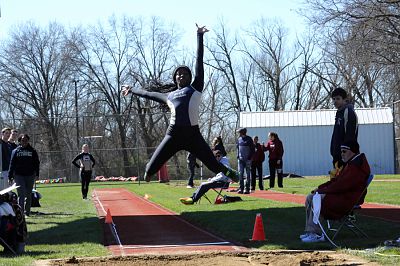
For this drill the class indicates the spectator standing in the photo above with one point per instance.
(346, 125)
(275, 148)
(257, 164)
(5, 155)
(12, 140)
(245, 151)
(191, 163)
(24, 169)
(86, 164)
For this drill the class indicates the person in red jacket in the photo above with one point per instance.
(275, 148)
(339, 195)
(256, 165)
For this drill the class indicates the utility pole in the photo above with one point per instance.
(76, 113)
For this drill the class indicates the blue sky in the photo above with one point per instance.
(236, 13)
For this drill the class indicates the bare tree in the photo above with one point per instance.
(35, 67)
(272, 59)
(364, 39)
(102, 58)
(223, 52)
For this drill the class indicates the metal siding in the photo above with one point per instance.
(376, 141)
(307, 149)
(311, 117)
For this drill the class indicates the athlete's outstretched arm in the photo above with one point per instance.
(155, 96)
(198, 82)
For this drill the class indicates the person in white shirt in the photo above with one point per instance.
(217, 181)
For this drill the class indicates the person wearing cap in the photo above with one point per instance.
(184, 102)
(345, 128)
(339, 195)
(245, 150)
(216, 182)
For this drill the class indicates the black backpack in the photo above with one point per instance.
(228, 199)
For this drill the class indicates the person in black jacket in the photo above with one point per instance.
(13, 139)
(86, 165)
(218, 145)
(346, 125)
(24, 169)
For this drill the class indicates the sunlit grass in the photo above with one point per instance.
(68, 226)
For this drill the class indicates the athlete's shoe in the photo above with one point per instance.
(232, 174)
(187, 201)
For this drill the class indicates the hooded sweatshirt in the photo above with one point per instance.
(24, 161)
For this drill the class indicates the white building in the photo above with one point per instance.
(306, 137)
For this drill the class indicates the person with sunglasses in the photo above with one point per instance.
(217, 181)
(339, 195)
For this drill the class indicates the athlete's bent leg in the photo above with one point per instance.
(167, 148)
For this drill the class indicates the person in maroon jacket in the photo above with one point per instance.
(256, 165)
(275, 148)
(339, 195)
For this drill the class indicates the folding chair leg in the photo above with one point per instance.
(326, 235)
(8, 246)
(206, 197)
(338, 230)
(356, 229)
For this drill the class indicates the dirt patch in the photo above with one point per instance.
(228, 258)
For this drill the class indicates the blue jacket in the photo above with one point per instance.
(245, 148)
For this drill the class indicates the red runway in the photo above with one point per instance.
(144, 227)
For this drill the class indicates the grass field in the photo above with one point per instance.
(67, 226)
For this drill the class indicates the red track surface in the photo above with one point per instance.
(144, 227)
(382, 211)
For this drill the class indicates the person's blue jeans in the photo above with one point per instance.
(24, 191)
(244, 165)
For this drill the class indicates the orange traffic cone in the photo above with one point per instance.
(109, 219)
(258, 232)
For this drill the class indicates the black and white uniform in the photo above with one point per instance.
(183, 132)
(86, 165)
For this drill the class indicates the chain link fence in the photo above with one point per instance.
(109, 163)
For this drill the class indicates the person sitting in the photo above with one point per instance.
(216, 182)
(339, 195)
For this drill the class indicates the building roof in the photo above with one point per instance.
(321, 117)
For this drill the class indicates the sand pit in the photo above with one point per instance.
(213, 258)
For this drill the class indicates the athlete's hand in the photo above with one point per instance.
(202, 29)
(126, 89)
